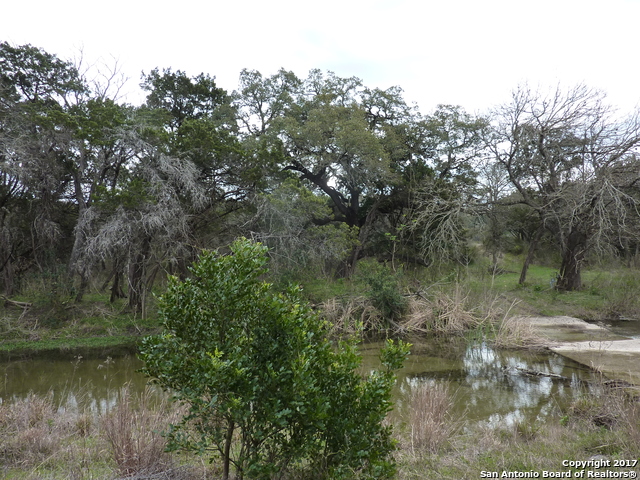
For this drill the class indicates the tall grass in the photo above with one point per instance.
(133, 429)
(39, 440)
(351, 316)
(512, 332)
(441, 313)
(430, 425)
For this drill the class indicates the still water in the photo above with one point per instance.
(489, 386)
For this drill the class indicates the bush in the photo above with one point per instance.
(266, 390)
(384, 290)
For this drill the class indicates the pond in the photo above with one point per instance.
(489, 386)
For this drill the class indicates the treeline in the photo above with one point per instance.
(323, 170)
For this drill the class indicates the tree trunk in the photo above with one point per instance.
(348, 268)
(82, 288)
(226, 460)
(532, 249)
(116, 288)
(572, 258)
(136, 275)
(77, 250)
(8, 277)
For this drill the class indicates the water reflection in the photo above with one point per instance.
(492, 387)
(79, 383)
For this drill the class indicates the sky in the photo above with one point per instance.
(471, 53)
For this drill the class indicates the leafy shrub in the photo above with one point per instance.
(266, 390)
(384, 290)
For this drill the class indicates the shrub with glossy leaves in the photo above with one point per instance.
(268, 393)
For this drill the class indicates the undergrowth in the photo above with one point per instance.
(40, 440)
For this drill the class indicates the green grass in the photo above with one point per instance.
(55, 321)
(63, 344)
(59, 324)
(608, 292)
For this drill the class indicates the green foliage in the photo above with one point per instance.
(267, 392)
(294, 223)
(384, 289)
(34, 75)
(182, 97)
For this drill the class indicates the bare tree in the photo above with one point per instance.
(561, 152)
(148, 229)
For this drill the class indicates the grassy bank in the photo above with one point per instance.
(37, 324)
(448, 300)
(40, 441)
(603, 422)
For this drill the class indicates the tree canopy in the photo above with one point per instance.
(324, 170)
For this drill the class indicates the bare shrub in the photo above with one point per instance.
(512, 332)
(351, 315)
(443, 313)
(430, 422)
(133, 428)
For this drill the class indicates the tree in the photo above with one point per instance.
(345, 141)
(143, 220)
(445, 193)
(62, 142)
(198, 123)
(37, 90)
(564, 152)
(98, 154)
(183, 98)
(291, 221)
(267, 392)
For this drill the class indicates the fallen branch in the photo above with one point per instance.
(15, 303)
(534, 373)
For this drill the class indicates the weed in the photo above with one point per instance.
(441, 313)
(352, 316)
(430, 424)
(512, 332)
(133, 428)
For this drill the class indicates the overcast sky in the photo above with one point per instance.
(471, 53)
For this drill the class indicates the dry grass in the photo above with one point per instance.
(38, 440)
(351, 316)
(429, 421)
(511, 332)
(133, 429)
(630, 425)
(604, 421)
(33, 433)
(444, 313)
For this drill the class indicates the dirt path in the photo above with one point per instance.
(617, 357)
